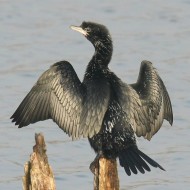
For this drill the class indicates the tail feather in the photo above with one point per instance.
(140, 164)
(149, 160)
(124, 163)
(134, 160)
(131, 164)
(141, 161)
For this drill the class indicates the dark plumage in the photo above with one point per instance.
(102, 107)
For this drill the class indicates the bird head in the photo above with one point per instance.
(95, 33)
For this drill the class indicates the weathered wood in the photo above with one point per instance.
(106, 175)
(38, 173)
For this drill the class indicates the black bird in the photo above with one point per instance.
(108, 111)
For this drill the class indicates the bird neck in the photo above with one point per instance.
(100, 60)
(103, 51)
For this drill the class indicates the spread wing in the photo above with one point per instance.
(59, 95)
(146, 102)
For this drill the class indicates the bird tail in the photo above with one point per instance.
(134, 160)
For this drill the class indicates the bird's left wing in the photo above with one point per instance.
(56, 95)
(59, 95)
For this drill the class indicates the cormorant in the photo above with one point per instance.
(103, 108)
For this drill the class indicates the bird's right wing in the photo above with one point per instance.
(59, 95)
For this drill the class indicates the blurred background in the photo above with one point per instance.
(35, 34)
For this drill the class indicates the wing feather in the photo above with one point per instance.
(59, 95)
(146, 103)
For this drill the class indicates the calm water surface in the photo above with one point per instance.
(35, 34)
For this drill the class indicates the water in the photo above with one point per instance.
(35, 34)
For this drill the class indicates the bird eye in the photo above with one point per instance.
(88, 29)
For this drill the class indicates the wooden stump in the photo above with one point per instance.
(38, 173)
(106, 175)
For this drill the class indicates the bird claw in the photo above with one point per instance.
(95, 163)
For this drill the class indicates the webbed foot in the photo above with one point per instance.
(95, 163)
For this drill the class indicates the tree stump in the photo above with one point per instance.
(106, 175)
(38, 173)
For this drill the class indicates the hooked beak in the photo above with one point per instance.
(79, 29)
